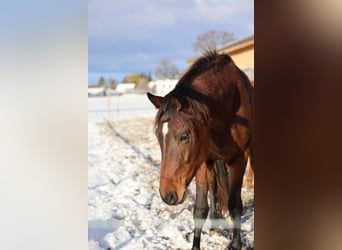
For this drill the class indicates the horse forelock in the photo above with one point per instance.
(166, 110)
(189, 108)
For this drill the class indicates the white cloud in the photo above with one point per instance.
(218, 10)
(107, 17)
(135, 35)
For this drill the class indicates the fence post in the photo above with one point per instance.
(108, 105)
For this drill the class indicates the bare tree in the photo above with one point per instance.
(211, 40)
(166, 69)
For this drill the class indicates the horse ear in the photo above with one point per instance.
(180, 104)
(156, 100)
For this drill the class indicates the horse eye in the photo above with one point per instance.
(183, 138)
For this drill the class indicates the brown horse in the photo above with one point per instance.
(203, 125)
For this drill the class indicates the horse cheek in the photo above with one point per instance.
(186, 155)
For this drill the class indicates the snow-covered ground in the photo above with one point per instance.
(124, 207)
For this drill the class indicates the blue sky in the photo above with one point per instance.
(133, 36)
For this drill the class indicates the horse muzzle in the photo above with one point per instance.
(171, 192)
(171, 198)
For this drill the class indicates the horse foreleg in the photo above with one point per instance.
(201, 204)
(218, 190)
(214, 212)
(249, 177)
(251, 165)
(236, 172)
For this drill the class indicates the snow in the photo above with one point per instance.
(125, 210)
(122, 106)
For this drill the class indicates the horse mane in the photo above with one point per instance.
(185, 93)
(210, 61)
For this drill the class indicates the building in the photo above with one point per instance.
(124, 88)
(92, 92)
(242, 53)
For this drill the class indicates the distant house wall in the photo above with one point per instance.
(125, 87)
(162, 87)
(243, 57)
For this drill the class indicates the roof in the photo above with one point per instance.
(248, 40)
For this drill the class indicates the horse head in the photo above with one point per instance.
(184, 145)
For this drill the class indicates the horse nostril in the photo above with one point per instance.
(171, 198)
